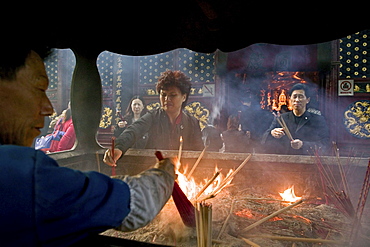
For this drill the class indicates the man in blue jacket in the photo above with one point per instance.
(43, 204)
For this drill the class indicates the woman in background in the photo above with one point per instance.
(68, 139)
(134, 111)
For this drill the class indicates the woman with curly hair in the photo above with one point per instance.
(166, 124)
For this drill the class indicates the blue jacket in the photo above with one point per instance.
(44, 204)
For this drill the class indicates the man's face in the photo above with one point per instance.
(299, 100)
(24, 104)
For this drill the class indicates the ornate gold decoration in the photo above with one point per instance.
(199, 112)
(357, 119)
(153, 106)
(106, 118)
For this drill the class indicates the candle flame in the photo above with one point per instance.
(180, 138)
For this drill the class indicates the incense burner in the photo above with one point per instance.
(252, 195)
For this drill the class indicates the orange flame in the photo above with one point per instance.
(191, 188)
(245, 213)
(289, 196)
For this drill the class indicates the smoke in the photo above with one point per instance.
(217, 107)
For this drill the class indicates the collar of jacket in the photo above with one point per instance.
(305, 119)
(180, 120)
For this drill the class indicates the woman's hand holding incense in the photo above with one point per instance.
(109, 160)
(278, 133)
(296, 144)
(122, 124)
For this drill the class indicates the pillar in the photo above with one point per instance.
(86, 100)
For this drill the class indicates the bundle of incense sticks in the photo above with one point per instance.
(336, 189)
(282, 123)
(360, 206)
(183, 205)
(203, 217)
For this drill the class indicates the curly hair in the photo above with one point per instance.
(177, 79)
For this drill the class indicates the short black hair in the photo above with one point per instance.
(301, 86)
(15, 50)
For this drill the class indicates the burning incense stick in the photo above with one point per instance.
(180, 150)
(203, 219)
(250, 227)
(196, 163)
(282, 123)
(231, 176)
(226, 181)
(208, 184)
(112, 154)
(183, 205)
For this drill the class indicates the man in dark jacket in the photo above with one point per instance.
(308, 129)
(43, 204)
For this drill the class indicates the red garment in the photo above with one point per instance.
(68, 139)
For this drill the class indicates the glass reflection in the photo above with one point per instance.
(58, 132)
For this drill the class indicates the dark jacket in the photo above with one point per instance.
(311, 130)
(236, 141)
(140, 142)
(161, 134)
(212, 138)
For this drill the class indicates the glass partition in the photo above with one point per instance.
(124, 77)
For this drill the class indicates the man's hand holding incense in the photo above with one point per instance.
(277, 133)
(109, 160)
(296, 144)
